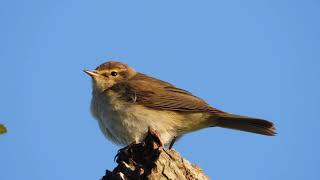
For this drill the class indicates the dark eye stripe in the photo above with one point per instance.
(123, 74)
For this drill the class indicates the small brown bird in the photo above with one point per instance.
(126, 103)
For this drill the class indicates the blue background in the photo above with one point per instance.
(257, 58)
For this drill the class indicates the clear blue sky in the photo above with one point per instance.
(257, 58)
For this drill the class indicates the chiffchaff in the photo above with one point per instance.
(126, 103)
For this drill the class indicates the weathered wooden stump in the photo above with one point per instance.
(149, 160)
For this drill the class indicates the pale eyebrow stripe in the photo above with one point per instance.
(109, 70)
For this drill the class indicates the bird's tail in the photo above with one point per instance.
(247, 124)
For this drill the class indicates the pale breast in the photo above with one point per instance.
(126, 122)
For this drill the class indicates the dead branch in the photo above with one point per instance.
(149, 160)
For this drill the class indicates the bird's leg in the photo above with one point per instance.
(172, 142)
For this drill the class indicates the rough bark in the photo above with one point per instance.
(149, 160)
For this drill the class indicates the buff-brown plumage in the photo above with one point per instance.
(157, 94)
(124, 99)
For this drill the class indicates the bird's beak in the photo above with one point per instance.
(91, 73)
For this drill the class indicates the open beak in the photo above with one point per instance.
(91, 73)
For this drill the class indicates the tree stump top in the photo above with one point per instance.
(149, 160)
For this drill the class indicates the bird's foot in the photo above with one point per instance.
(133, 151)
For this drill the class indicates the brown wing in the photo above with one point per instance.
(157, 94)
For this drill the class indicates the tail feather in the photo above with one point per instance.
(247, 124)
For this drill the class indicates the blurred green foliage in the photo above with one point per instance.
(3, 129)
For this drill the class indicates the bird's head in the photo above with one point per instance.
(110, 73)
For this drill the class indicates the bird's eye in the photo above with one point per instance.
(113, 73)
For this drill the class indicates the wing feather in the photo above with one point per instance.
(157, 94)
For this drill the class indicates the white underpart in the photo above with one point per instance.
(125, 122)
